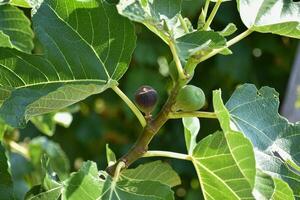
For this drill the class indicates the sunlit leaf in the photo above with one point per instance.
(225, 166)
(271, 16)
(154, 171)
(135, 190)
(191, 129)
(89, 58)
(276, 141)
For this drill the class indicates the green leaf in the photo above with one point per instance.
(89, 58)
(20, 3)
(58, 160)
(126, 189)
(6, 183)
(276, 141)
(191, 128)
(15, 30)
(110, 156)
(84, 184)
(154, 171)
(267, 187)
(160, 16)
(45, 123)
(199, 43)
(271, 16)
(228, 30)
(225, 166)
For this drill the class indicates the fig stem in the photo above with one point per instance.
(199, 114)
(131, 105)
(167, 154)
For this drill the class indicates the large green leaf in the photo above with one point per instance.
(86, 184)
(276, 141)
(6, 184)
(266, 187)
(154, 171)
(15, 30)
(94, 52)
(225, 161)
(225, 166)
(271, 16)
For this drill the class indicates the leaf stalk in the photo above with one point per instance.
(131, 105)
(167, 154)
(212, 15)
(199, 114)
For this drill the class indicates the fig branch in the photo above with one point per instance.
(153, 126)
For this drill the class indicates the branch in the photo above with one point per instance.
(141, 145)
(199, 114)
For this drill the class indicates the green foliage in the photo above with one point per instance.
(271, 16)
(58, 161)
(275, 140)
(154, 171)
(15, 31)
(62, 76)
(6, 184)
(77, 49)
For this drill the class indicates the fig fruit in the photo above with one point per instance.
(146, 98)
(190, 98)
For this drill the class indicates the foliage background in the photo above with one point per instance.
(262, 59)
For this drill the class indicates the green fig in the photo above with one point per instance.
(190, 98)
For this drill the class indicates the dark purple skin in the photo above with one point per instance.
(146, 99)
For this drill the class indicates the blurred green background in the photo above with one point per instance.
(262, 59)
